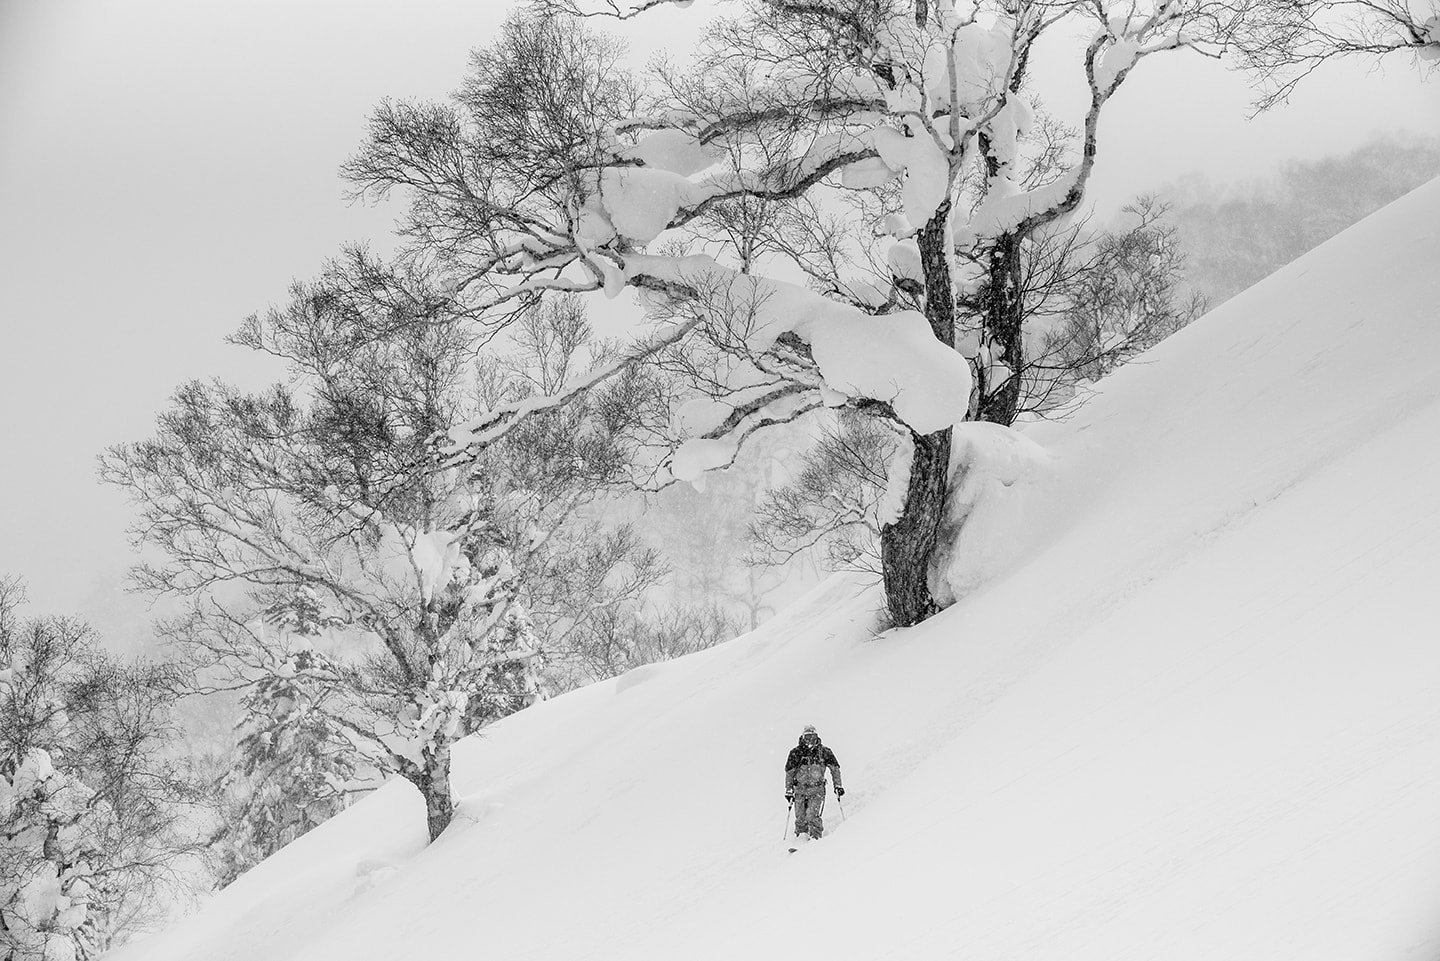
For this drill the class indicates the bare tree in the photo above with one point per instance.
(625, 637)
(835, 500)
(1109, 295)
(380, 606)
(1284, 41)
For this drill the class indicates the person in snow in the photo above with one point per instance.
(805, 781)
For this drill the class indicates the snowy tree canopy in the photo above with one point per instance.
(365, 600)
(555, 170)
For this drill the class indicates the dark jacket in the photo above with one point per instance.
(805, 769)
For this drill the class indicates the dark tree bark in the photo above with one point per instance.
(1004, 325)
(432, 779)
(907, 544)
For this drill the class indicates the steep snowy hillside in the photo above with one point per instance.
(1197, 716)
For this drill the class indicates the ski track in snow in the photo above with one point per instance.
(1197, 720)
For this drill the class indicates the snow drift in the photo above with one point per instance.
(1189, 712)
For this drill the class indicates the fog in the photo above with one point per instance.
(168, 167)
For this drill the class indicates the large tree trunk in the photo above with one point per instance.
(433, 781)
(907, 544)
(1004, 317)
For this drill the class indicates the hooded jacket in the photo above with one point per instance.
(805, 768)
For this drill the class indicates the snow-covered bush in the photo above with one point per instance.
(92, 817)
(49, 841)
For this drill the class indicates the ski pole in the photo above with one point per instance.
(841, 804)
(785, 832)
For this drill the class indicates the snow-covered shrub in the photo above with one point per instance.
(91, 814)
(49, 841)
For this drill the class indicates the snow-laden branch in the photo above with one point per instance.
(470, 437)
(891, 358)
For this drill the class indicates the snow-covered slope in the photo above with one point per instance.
(1197, 717)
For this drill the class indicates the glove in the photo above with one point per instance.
(789, 797)
(839, 791)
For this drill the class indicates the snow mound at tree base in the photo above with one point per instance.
(1195, 718)
(995, 510)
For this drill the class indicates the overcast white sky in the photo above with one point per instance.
(169, 166)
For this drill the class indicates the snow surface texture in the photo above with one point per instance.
(1194, 718)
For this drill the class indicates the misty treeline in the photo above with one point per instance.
(852, 230)
(1235, 235)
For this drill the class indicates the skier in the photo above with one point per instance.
(805, 782)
